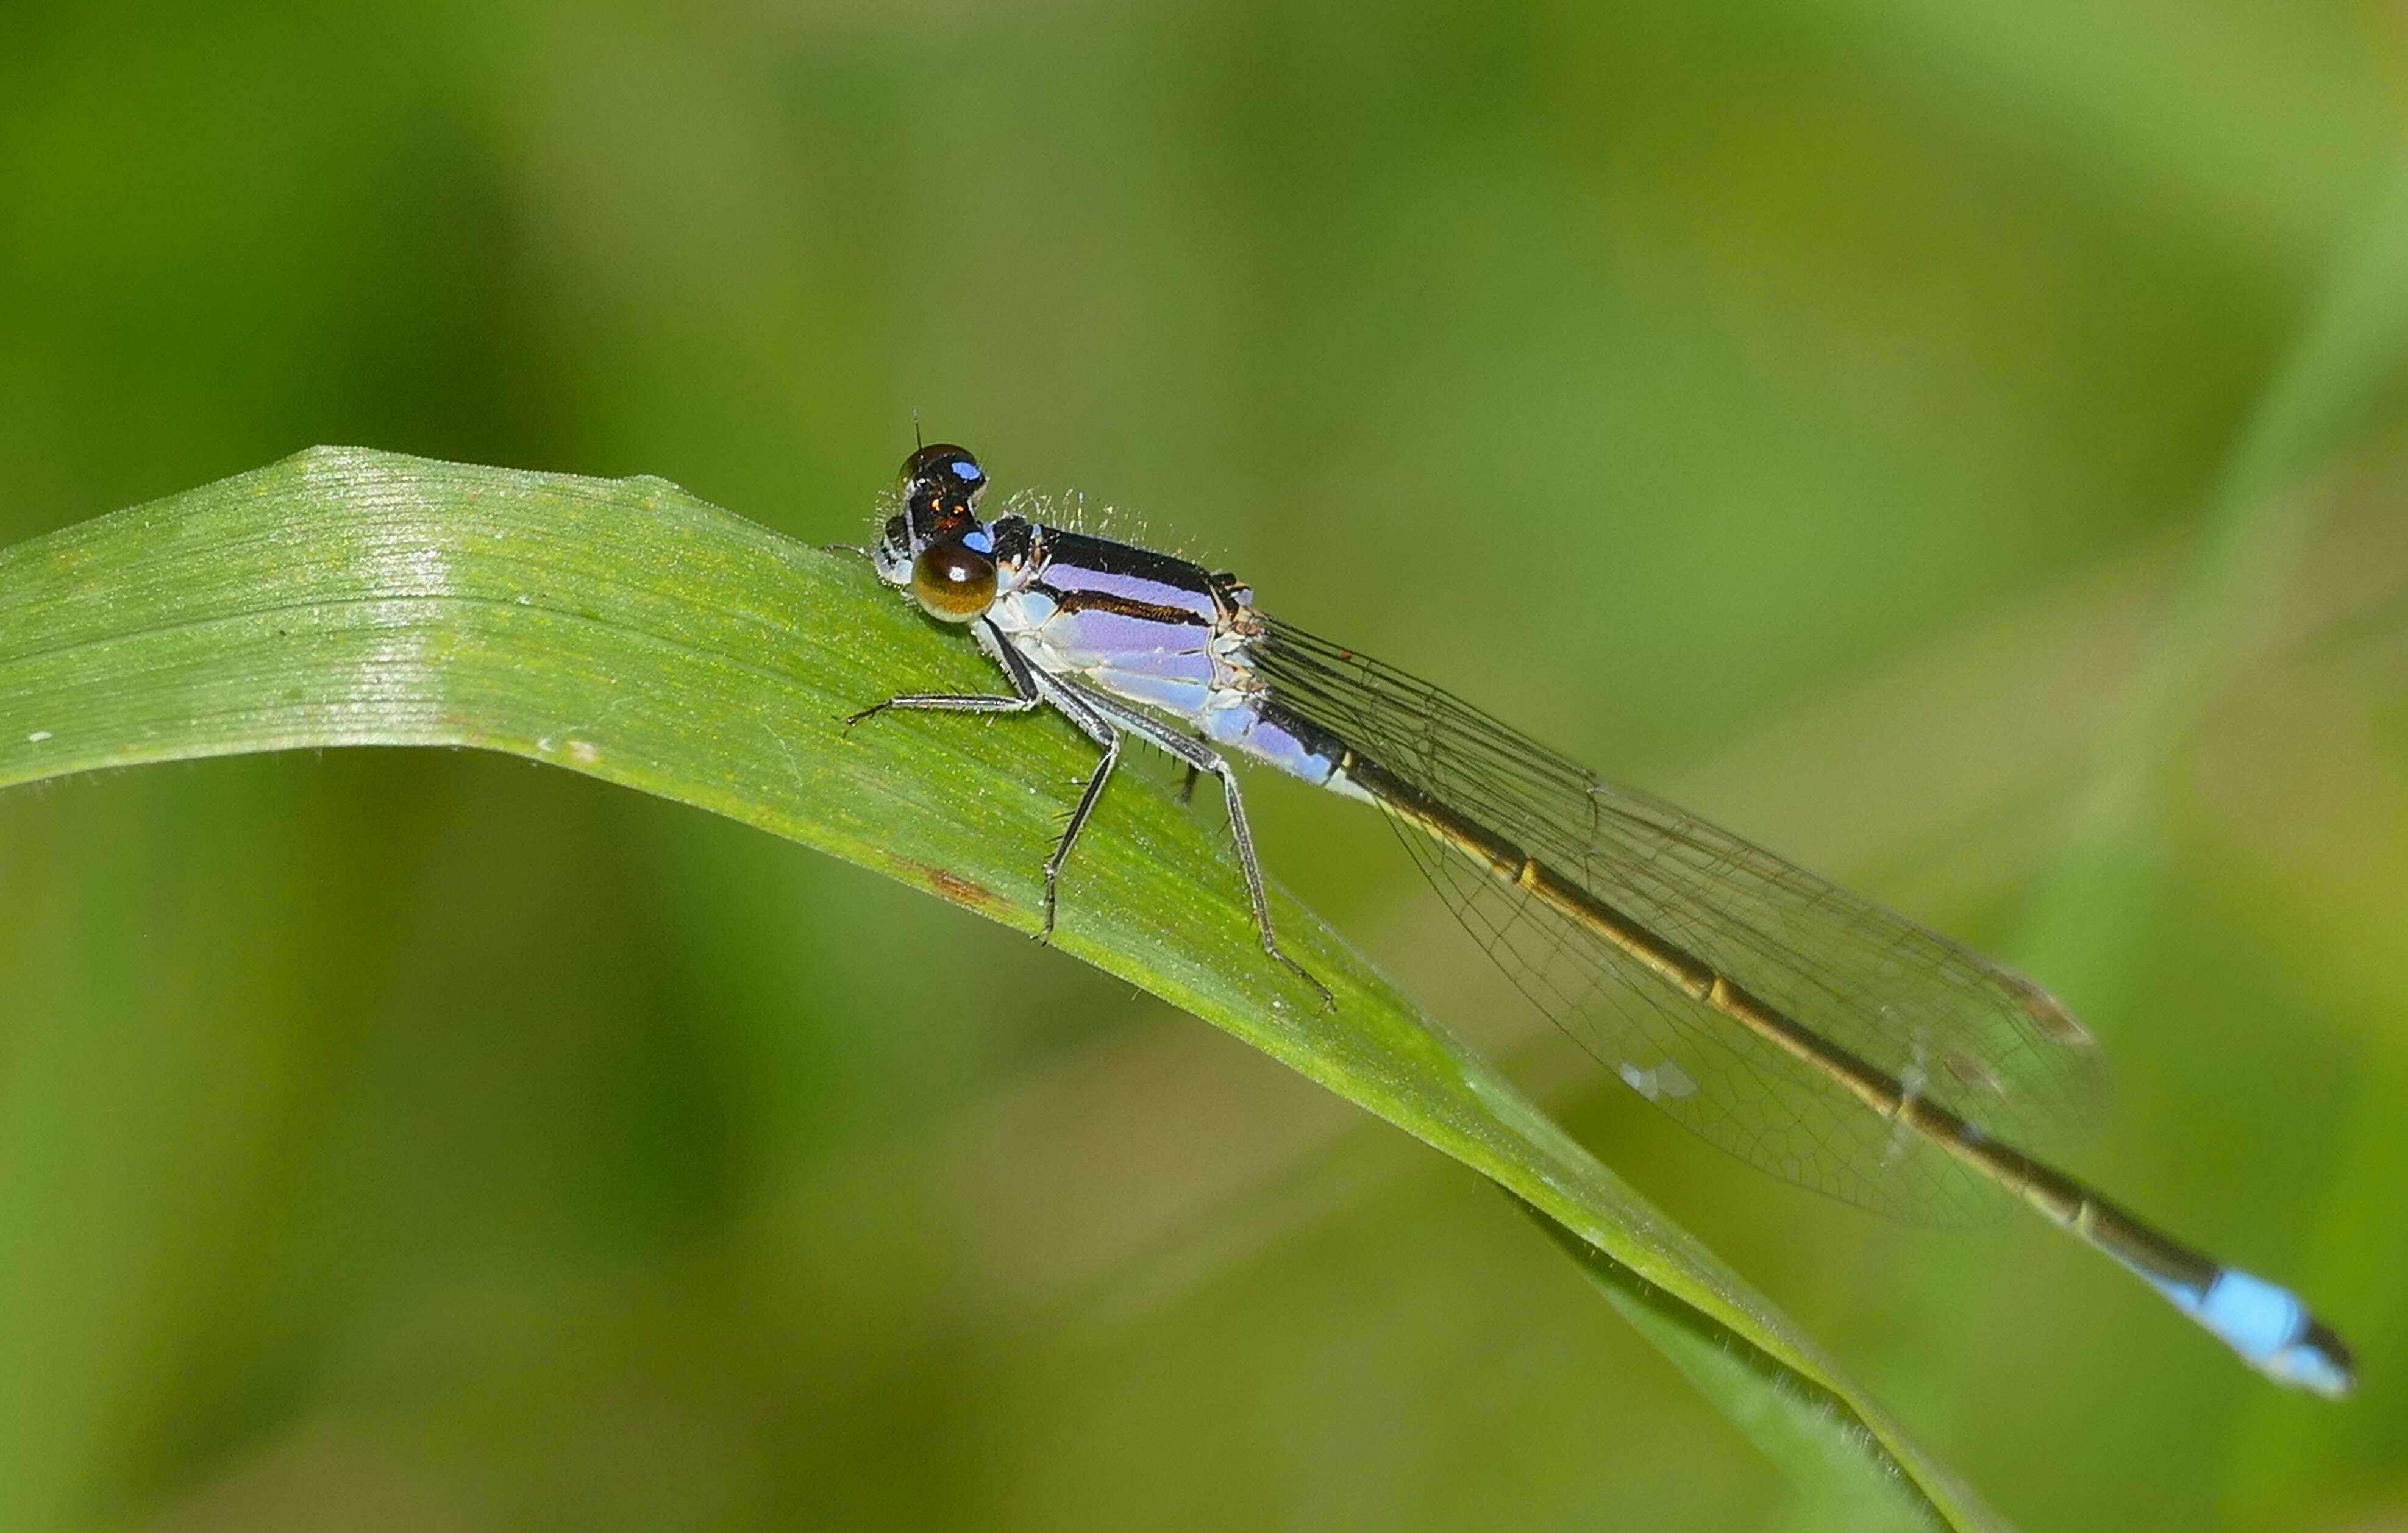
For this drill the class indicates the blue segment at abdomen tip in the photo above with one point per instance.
(2267, 1325)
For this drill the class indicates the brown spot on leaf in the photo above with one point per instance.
(945, 886)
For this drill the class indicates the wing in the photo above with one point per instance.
(1948, 1024)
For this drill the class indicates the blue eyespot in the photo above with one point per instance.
(964, 468)
(979, 542)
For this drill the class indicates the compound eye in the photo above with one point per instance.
(943, 462)
(953, 583)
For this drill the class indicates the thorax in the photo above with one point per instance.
(1148, 626)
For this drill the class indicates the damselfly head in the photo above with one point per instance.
(940, 486)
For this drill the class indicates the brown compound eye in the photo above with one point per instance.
(953, 581)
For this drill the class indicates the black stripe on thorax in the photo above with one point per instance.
(1107, 558)
(1104, 601)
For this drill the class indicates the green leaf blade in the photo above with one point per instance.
(626, 630)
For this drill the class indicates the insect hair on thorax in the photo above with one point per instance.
(1072, 512)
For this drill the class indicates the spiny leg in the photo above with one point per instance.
(1253, 869)
(1076, 708)
(1030, 689)
(948, 702)
(1103, 720)
(1025, 694)
(1201, 757)
(1085, 807)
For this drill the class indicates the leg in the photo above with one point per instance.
(1075, 707)
(1252, 870)
(1078, 813)
(947, 702)
(1201, 757)
(1025, 695)
(1031, 689)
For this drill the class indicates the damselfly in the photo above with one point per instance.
(1807, 1030)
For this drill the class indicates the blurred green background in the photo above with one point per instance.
(1807, 408)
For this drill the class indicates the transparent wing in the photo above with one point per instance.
(1952, 1027)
